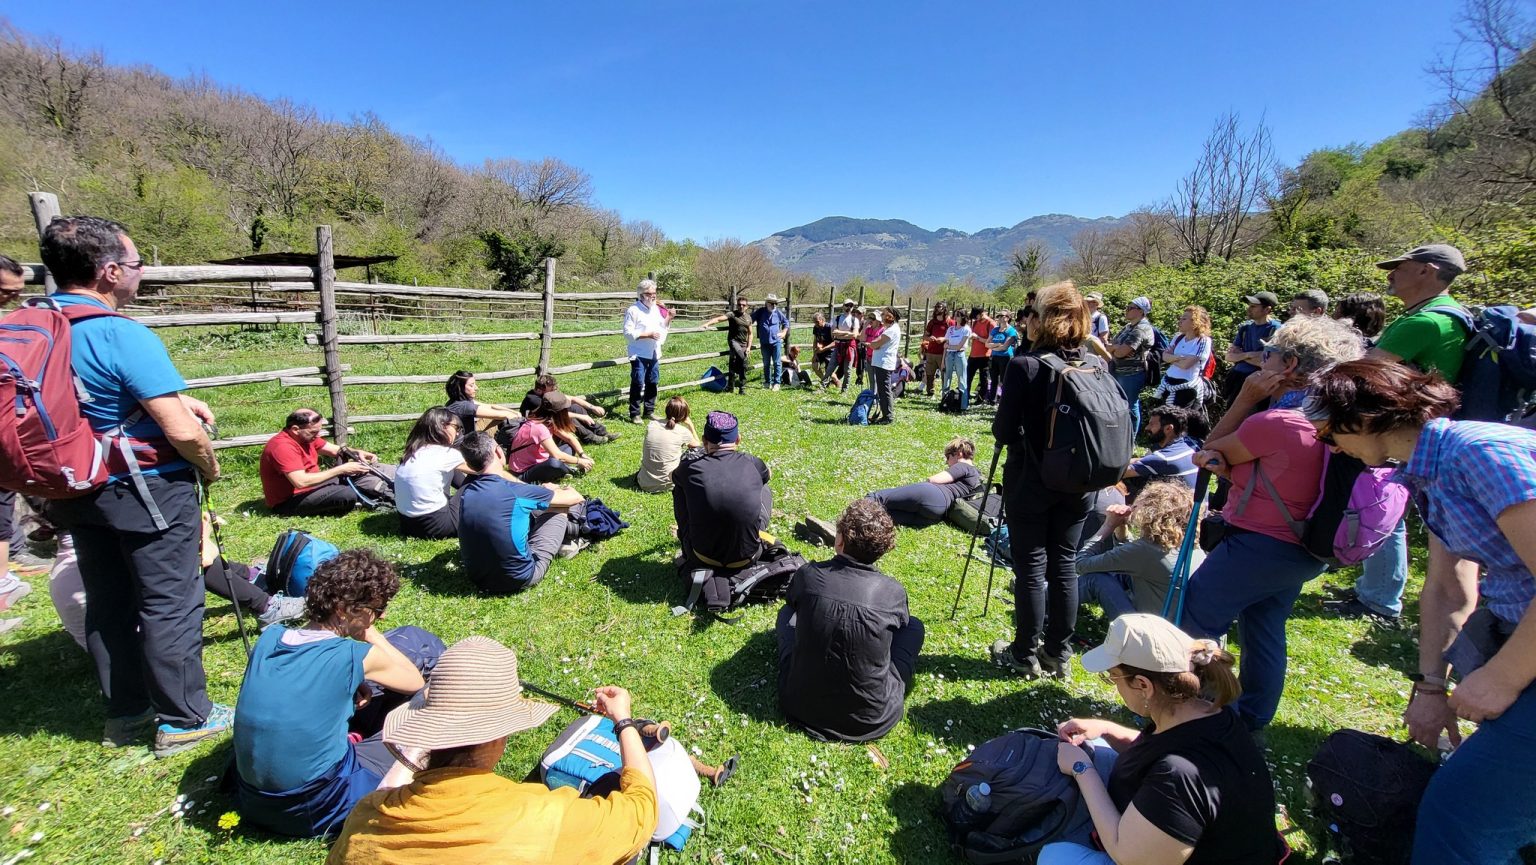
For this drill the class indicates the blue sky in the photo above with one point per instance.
(732, 119)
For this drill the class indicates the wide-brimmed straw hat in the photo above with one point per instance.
(473, 697)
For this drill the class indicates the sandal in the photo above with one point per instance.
(726, 770)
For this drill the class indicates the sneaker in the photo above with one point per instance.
(281, 608)
(649, 416)
(122, 732)
(8, 625)
(1002, 656)
(173, 740)
(614, 436)
(1356, 609)
(775, 387)
(634, 418)
(881, 422)
(12, 590)
(571, 548)
(821, 531)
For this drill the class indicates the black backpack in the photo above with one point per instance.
(1089, 435)
(950, 402)
(719, 590)
(1031, 802)
(1154, 356)
(1365, 790)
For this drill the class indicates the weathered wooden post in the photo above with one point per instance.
(325, 282)
(45, 206)
(789, 300)
(861, 299)
(906, 329)
(893, 298)
(546, 336)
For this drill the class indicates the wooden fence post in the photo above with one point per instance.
(547, 338)
(325, 282)
(789, 300)
(831, 294)
(45, 206)
(861, 299)
(906, 344)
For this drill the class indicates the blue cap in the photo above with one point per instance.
(721, 428)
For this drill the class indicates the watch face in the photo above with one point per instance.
(1079, 767)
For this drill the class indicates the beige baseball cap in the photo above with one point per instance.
(1144, 641)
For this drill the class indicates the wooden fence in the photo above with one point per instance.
(255, 295)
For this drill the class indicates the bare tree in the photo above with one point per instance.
(1212, 207)
(730, 263)
(550, 185)
(1146, 239)
(39, 77)
(1093, 259)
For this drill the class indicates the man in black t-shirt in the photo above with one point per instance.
(847, 644)
(721, 499)
(738, 337)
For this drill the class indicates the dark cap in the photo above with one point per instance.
(1264, 298)
(1446, 258)
(554, 400)
(721, 428)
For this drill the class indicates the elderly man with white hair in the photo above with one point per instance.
(645, 329)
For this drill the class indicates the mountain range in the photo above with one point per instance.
(838, 248)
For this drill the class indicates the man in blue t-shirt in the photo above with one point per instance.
(137, 537)
(1168, 426)
(772, 327)
(1246, 352)
(509, 531)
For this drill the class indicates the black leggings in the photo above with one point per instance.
(916, 505)
(441, 523)
(1044, 544)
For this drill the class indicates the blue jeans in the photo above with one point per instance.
(1472, 813)
(1111, 591)
(644, 375)
(954, 366)
(773, 370)
(1132, 385)
(1254, 580)
(1385, 573)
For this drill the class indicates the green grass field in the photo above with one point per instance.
(603, 617)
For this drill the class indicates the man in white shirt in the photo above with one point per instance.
(645, 329)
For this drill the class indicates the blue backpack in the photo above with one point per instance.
(293, 561)
(859, 414)
(999, 547)
(1154, 358)
(1498, 372)
(714, 380)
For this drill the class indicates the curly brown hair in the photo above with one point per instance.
(356, 580)
(866, 530)
(1161, 513)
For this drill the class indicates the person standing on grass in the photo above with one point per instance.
(645, 330)
(977, 366)
(957, 352)
(1245, 352)
(848, 645)
(1183, 381)
(738, 339)
(1002, 342)
(137, 537)
(885, 353)
(845, 333)
(1098, 322)
(1311, 302)
(1129, 350)
(821, 348)
(772, 327)
(934, 332)
(1475, 486)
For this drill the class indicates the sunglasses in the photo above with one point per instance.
(1325, 436)
(1110, 678)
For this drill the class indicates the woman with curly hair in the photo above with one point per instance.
(1125, 575)
(1184, 361)
(314, 698)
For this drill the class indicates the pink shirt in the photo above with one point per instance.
(526, 451)
(1286, 445)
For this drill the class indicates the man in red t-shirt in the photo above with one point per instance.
(933, 344)
(294, 484)
(981, 356)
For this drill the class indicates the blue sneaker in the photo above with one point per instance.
(173, 740)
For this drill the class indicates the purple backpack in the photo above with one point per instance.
(1357, 509)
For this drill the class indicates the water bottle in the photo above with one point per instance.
(978, 799)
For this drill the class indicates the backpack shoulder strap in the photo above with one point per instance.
(76, 312)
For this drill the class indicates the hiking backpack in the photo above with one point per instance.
(47, 447)
(1356, 510)
(585, 756)
(1154, 356)
(720, 590)
(293, 561)
(950, 402)
(969, 515)
(1365, 790)
(1030, 804)
(1089, 435)
(600, 522)
(1498, 369)
(859, 414)
(999, 547)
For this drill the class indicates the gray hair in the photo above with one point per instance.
(1315, 298)
(645, 284)
(1318, 342)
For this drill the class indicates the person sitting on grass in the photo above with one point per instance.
(721, 499)
(510, 530)
(584, 415)
(1190, 786)
(313, 701)
(925, 503)
(535, 455)
(794, 376)
(847, 644)
(664, 446)
(426, 477)
(454, 807)
(293, 483)
(1168, 429)
(462, 390)
(1123, 575)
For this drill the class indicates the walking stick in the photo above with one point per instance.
(659, 731)
(992, 560)
(1179, 579)
(981, 510)
(229, 579)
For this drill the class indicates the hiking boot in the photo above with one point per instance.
(173, 740)
(571, 548)
(648, 416)
(1340, 593)
(1356, 609)
(881, 422)
(123, 732)
(821, 531)
(1002, 656)
(281, 608)
(614, 436)
(1055, 668)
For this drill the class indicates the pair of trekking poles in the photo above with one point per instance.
(1173, 604)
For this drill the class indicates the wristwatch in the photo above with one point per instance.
(626, 724)
(1080, 767)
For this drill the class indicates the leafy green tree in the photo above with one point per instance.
(517, 260)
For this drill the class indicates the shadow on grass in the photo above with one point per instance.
(644, 577)
(50, 687)
(1042, 704)
(1394, 648)
(380, 524)
(747, 682)
(442, 576)
(961, 667)
(208, 783)
(921, 836)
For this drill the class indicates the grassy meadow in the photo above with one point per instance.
(603, 617)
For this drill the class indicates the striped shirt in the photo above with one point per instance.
(1173, 461)
(1463, 475)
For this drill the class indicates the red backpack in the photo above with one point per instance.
(47, 447)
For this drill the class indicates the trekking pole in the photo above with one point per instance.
(1179, 579)
(660, 731)
(986, 604)
(981, 511)
(217, 532)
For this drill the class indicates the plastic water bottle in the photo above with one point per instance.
(978, 799)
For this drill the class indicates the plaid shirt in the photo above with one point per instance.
(1463, 475)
